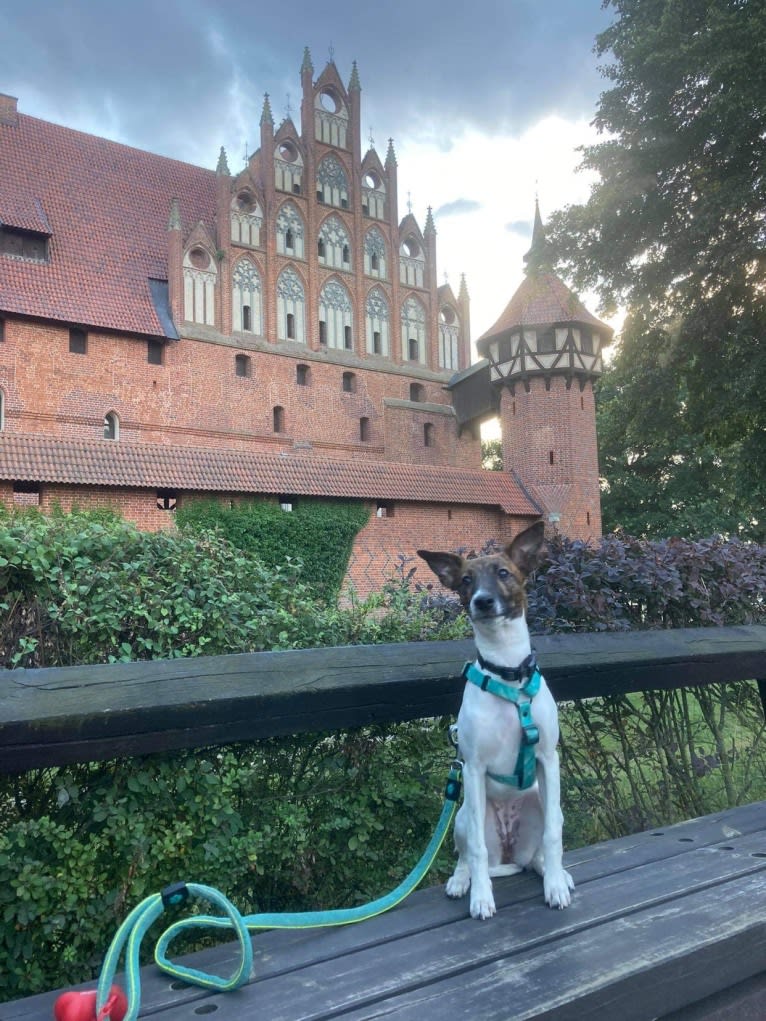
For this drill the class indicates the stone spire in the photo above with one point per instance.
(429, 228)
(390, 155)
(463, 293)
(223, 164)
(266, 115)
(307, 65)
(354, 84)
(539, 257)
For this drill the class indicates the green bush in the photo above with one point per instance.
(317, 533)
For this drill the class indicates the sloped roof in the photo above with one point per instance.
(106, 206)
(543, 298)
(36, 458)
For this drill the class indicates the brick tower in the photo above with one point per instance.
(544, 354)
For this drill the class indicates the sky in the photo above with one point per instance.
(486, 101)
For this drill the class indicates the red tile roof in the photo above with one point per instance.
(543, 298)
(149, 466)
(106, 206)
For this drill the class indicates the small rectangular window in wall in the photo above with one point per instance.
(2, 329)
(167, 499)
(155, 351)
(26, 494)
(78, 341)
(384, 509)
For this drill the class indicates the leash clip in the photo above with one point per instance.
(174, 895)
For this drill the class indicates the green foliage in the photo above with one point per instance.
(323, 821)
(77, 589)
(674, 231)
(317, 533)
(492, 455)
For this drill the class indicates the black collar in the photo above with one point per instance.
(520, 673)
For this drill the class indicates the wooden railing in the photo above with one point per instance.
(78, 714)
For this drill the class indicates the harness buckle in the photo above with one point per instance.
(174, 894)
(530, 734)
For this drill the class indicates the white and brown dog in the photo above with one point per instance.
(503, 825)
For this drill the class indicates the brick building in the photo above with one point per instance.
(169, 332)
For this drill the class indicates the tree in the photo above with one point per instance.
(492, 455)
(675, 226)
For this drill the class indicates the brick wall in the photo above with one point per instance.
(549, 439)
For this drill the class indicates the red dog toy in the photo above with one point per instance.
(74, 1006)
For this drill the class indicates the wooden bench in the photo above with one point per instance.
(665, 924)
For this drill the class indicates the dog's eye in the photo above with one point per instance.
(503, 573)
(466, 579)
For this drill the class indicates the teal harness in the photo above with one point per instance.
(524, 774)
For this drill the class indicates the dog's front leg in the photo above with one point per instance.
(557, 882)
(475, 805)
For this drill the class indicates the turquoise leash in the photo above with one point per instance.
(130, 934)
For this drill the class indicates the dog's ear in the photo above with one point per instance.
(525, 549)
(448, 567)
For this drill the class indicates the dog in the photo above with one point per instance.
(501, 829)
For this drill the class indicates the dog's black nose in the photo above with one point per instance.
(483, 604)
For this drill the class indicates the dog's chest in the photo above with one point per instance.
(489, 731)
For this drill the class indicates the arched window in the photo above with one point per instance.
(411, 262)
(199, 286)
(414, 331)
(334, 245)
(278, 417)
(335, 312)
(332, 182)
(449, 332)
(291, 306)
(330, 118)
(246, 303)
(290, 231)
(375, 264)
(373, 195)
(377, 323)
(111, 425)
(303, 375)
(246, 219)
(288, 167)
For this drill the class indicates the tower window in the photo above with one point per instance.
(364, 430)
(2, 329)
(278, 416)
(242, 366)
(417, 392)
(322, 331)
(111, 426)
(349, 383)
(290, 326)
(376, 344)
(347, 338)
(246, 319)
(320, 248)
(154, 352)
(428, 435)
(374, 262)
(546, 343)
(346, 254)
(551, 458)
(289, 240)
(412, 349)
(78, 341)
(302, 375)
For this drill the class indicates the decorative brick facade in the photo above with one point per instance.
(270, 325)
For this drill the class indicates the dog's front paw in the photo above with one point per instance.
(558, 889)
(482, 901)
(458, 883)
(482, 907)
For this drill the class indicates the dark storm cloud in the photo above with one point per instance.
(183, 77)
(458, 207)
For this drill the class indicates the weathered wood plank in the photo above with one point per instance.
(57, 716)
(614, 876)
